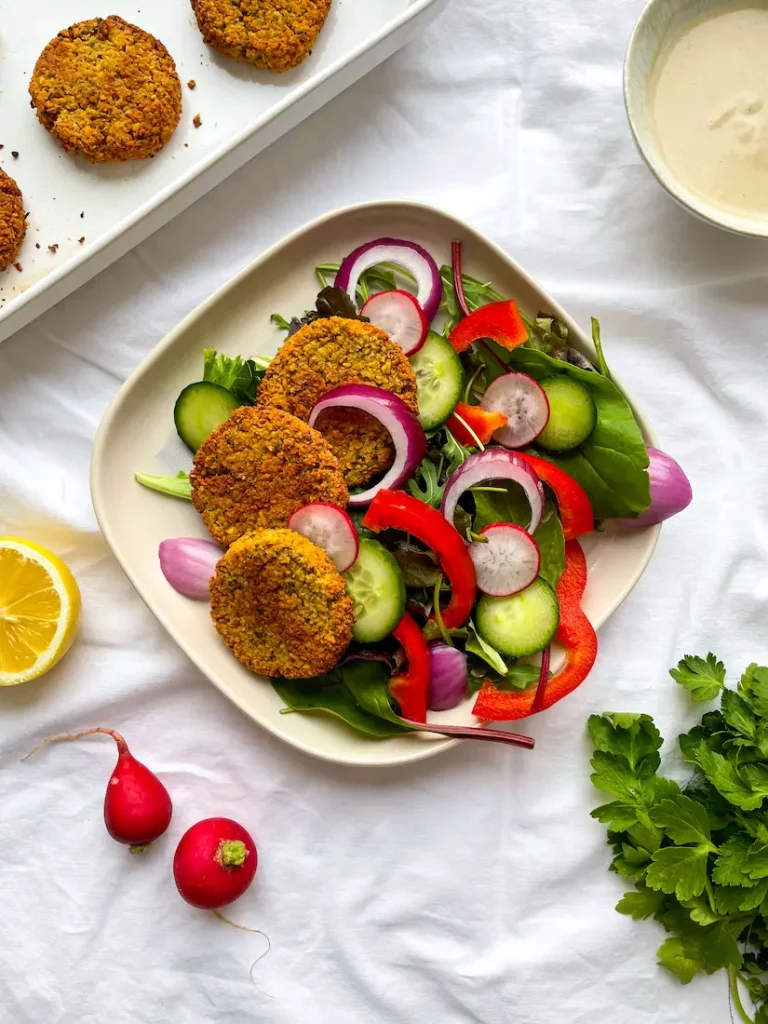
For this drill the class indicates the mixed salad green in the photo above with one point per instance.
(465, 561)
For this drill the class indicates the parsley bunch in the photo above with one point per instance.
(698, 855)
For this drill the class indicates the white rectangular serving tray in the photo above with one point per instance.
(114, 207)
(136, 429)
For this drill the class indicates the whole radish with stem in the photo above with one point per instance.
(137, 806)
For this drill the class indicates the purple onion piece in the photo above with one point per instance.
(448, 685)
(188, 564)
(671, 491)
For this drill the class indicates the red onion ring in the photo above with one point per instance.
(395, 416)
(494, 464)
(409, 255)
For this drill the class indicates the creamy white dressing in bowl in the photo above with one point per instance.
(696, 88)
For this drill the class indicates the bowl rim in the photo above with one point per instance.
(674, 187)
(99, 454)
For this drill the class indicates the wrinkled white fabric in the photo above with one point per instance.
(472, 887)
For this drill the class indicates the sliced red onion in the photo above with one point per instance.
(671, 491)
(395, 416)
(409, 256)
(188, 564)
(448, 685)
(494, 464)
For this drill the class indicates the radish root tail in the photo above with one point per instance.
(122, 746)
(253, 931)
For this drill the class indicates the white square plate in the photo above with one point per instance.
(135, 431)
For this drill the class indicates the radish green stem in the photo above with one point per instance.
(232, 853)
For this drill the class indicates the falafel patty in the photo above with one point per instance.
(258, 468)
(108, 90)
(273, 34)
(280, 604)
(13, 222)
(324, 355)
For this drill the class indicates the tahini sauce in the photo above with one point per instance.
(708, 99)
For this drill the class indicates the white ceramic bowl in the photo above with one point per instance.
(137, 428)
(659, 24)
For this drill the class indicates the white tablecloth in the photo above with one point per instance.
(472, 887)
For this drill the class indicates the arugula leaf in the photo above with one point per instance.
(425, 485)
(177, 486)
(611, 464)
(679, 870)
(704, 679)
(641, 904)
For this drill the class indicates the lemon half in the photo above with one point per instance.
(39, 610)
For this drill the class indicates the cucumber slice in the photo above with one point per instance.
(375, 584)
(199, 409)
(572, 414)
(439, 380)
(521, 624)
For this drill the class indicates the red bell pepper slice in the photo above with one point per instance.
(409, 688)
(399, 511)
(575, 508)
(499, 321)
(575, 632)
(484, 424)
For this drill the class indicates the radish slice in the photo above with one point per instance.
(409, 256)
(518, 397)
(391, 411)
(400, 315)
(507, 562)
(494, 464)
(331, 529)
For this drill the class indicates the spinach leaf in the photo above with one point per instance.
(356, 693)
(611, 464)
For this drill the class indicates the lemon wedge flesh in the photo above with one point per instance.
(39, 610)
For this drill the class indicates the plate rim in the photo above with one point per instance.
(420, 751)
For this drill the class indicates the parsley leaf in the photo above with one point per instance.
(704, 678)
(683, 820)
(679, 870)
(641, 904)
